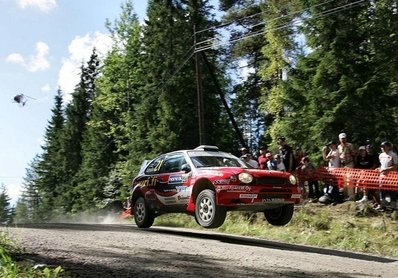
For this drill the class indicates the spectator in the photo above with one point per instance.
(298, 155)
(347, 156)
(365, 161)
(369, 151)
(249, 160)
(271, 162)
(388, 162)
(243, 151)
(280, 166)
(331, 154)
(308, 172)
(286, 153)
(332, 194)
(262, 158)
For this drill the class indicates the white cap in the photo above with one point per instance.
(342, 135)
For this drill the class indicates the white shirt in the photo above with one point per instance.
(253, 163)
(280, 166)
(334, 160)
(387, 159)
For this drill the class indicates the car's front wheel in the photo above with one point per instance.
(143, 216)
(207, 213)
(279, 216)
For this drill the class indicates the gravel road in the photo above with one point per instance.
(96, 250)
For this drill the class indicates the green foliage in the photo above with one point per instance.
(341, 80)
(5, 207)
(246, 93)
(45, 174)
(9, 268)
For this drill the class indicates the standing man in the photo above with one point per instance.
(347, 156)
(388, 162)
(287, 154)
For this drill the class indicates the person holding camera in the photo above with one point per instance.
(347, 160)
(331, 154)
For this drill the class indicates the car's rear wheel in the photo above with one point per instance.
(143, 216)
(279, 216)
(207, 213)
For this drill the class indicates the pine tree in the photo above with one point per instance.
(245, 22)
(21, 212)
(49, 170)
(337, 83)
(166, 117)
(30, 198)
(5, 208)
(78, 112)
(106, 139)
(279, 51)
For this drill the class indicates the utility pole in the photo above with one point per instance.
(223, 100)
(199, 90)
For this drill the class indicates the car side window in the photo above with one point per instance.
(155, 166)
(173, 163)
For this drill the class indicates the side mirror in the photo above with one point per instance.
(186, 168)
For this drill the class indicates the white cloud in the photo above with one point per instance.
(43, 5)
(80, 50)
(14, 192)
(15, 58)
(33, 63)
(46, 88)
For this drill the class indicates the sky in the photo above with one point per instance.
(43, 44)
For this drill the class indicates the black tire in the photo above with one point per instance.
(279, 216)
(143, 216)
(207, 213)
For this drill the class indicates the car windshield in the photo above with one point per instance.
(202, 159)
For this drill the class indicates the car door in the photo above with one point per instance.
(173, 187)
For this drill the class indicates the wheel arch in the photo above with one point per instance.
(201, 185)
(136, 193)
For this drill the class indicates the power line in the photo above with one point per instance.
(259, 13)
(232, 21)
(294, 21)
(194, 49)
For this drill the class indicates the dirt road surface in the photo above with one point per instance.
(96, 250)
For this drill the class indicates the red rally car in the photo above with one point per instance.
(207, 183)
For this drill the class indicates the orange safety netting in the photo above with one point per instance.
(351, 177)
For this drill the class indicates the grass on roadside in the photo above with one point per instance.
(10, 268)
(340, 227)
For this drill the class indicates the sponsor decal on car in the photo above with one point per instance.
(273, 200)
(248, 196)
(175, 180)
(167, 200)
(150, 182)
(180, 198)
(296, 196)
(234, 188)
(178, 179)
(182, 188)
(223, 181)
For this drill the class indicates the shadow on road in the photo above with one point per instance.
(239, 240)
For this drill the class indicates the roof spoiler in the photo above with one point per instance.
(207, 148)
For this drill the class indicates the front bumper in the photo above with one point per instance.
(257, 196)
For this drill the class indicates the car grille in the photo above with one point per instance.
(282, 193)
(270, 181)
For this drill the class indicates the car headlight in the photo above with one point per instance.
(292, 179)
(245, 177)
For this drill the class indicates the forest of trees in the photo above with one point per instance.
(313, 68)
